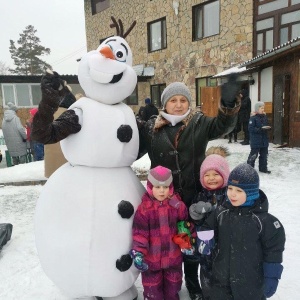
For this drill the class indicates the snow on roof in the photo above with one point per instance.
(236, 70)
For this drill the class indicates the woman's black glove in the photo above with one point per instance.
(230, 91)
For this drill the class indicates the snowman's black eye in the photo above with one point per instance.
(120, 55)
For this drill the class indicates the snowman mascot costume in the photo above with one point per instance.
(83, 219)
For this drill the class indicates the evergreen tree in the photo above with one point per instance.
(26, 57)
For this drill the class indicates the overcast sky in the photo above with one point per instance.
(60, 26)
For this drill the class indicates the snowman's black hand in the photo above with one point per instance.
(54, 88)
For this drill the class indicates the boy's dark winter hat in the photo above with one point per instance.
(258, 105)
(147, 101)
(246, 178)
(175, 88)
(67, 101)
(11, 106)
(159, 176)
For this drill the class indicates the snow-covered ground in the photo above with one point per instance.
(21, 276)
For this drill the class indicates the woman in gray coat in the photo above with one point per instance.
(14, 134)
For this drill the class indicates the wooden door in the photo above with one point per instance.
(210, 100)
(281, 109)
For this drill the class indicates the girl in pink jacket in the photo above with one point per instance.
(155, 224)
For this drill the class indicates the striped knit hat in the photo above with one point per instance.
(160, 176)
(245, 177)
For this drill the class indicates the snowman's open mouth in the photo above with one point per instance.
(116, 78)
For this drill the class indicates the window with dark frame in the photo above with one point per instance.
(99, 5)
(206, 20)
(156, 91)
(275, 22)
(157, 35)
(22, 94)
(133, 98)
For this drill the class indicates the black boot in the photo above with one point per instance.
(265, 171)
(245, 143)
(197, 296)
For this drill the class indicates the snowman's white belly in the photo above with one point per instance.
(80, 234)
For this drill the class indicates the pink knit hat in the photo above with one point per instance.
(215, 162)
(33, 111)
(160, 176)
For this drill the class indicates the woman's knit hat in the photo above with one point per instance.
(215, 160)
(160, 176)
(175, 88)
(258, 105)
(246, 178)
(11, 106)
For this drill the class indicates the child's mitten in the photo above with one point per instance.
(272, 273)
(182, 240)
(205, 241)
(138, 260)
(199, 209)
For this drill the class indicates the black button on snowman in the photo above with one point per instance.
(84, 215)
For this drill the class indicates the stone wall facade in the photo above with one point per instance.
(183, 59)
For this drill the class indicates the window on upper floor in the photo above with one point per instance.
(99, 5)
(275, 22)
(156, 91)
(157, 35)
(23, 95)
(206, 20)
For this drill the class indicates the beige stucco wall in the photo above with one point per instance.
(183, 59)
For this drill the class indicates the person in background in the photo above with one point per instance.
(0, 156)
(54, 157)
(139, 115)
(149, 110)
(244, 115)
(249, 241)
(154, 226)
(36, 149)
(177, 139)
(14, 134)
(234, 132)
(259, 140)
(214, 174)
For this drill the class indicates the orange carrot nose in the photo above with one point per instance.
(106, 51)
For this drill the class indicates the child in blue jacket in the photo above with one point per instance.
(259, 141)
(249, 241)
